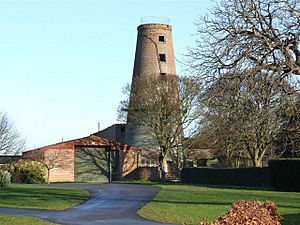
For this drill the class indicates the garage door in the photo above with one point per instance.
(92, 164)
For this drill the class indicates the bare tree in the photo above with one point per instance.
(254, 35)
(165, 106)
(11, 141)
(51, 159)
(246, 54)
(287, 140)
(243, 116)
(122, 111)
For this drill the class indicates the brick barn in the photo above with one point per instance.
(87, 159)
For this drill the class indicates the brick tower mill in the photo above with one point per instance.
(154, 56)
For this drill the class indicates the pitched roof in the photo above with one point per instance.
(91, 140)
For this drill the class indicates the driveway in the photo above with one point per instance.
(109, 204)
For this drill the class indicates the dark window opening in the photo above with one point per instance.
(122, 128)
(201, 162)
(162, 57)
(161, 38)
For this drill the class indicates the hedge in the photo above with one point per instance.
(236, 176)
(282, 174)
(285, 174)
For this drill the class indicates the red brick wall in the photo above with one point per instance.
(63, 164)
(148, 48)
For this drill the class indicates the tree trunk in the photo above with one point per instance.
(48, 176)
(256, 160)
(160, 168)
(257, 163)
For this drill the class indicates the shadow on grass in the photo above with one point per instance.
(258, 188)
(146, 182)
(229, 203)
(36, 192)
(226, 186)
(291, 219)
(194, 203)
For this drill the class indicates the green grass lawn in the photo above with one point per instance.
(192, 203)
(41, 197)
(22, 220)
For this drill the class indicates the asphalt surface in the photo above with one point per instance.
(109, 204)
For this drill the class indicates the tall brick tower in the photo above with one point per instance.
(154, 56)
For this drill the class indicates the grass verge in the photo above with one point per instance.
(22, 220)
(191, 203)
(41, 197)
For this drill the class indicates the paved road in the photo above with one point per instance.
(108, 204)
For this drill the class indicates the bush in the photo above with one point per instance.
(29, 172)
(31, 176)
(285, 174)
(249, 212)
(4, 178)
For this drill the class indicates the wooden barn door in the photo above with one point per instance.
(95, 163)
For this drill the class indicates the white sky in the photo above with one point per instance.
(63, 63)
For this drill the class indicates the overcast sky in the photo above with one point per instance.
(63, 63)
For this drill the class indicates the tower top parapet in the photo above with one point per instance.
(154, 26)
(155, 20)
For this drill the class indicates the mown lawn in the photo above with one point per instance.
(41, 197)
(191, 203)
(22, 220)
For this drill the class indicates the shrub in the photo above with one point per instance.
(32, 176)
(285, 174)
(11, 168)
(249, 212)
(25, 171)
(4, 178)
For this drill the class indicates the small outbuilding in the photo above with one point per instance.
(87, 159)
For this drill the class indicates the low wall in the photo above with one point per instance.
(143, 173)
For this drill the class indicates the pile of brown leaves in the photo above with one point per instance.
(249, 213)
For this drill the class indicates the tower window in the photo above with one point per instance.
(161, 38)
(162, 57)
